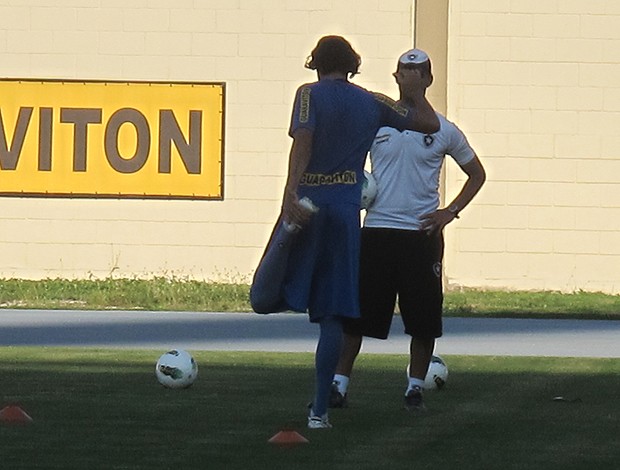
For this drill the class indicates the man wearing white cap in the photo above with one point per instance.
(402, 239)
(311, 263)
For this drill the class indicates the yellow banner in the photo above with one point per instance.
(111, 139)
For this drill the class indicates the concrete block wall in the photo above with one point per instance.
(536, 87)
(258, 48)
(534, 84)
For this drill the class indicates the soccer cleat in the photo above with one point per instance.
(414, 400)
(337, 399)
(318, 422)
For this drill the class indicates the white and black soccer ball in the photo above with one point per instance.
(176, 369)
(437, 374)
(369, 190)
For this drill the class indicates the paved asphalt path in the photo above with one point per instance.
(293, 333)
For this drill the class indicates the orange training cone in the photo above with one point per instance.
(13, 414)
(288, 438)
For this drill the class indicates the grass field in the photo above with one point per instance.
(103, 409)
(188, 295)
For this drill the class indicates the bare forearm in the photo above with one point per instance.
(437, 220)
(299, 157)
(424, 118)
(476, 178)
(413, 93)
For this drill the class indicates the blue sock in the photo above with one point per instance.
(326, 360)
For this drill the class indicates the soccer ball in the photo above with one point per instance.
(176, 369)
(369, 190)
(437, 374)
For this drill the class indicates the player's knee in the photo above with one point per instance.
(262, 303)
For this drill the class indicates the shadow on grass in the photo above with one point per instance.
(105, 409)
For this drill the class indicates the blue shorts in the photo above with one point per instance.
(323, 270)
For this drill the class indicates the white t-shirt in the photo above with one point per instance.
(406, 166)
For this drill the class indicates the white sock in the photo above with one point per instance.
(342, 382)
(413, 382)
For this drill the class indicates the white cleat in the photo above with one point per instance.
(318, 422)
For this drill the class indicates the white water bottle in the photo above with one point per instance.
(306, 203)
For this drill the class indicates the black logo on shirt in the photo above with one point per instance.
(391, 104)
(317, 179)
(437, 269)
(304, 108)
(428, 140)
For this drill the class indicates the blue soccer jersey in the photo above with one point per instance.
(344, 119)
(322, 269)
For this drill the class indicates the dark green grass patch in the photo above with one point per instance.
(103, 409)
(488, 303)
(126, 294)
(190, 295)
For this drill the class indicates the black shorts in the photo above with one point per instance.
(403, 264)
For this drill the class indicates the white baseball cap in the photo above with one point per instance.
(414, 56)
